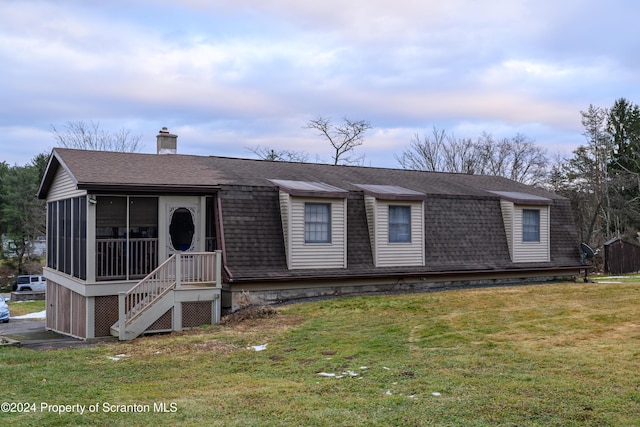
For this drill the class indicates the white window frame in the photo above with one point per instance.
(530, 231)
(395, 227)
(308, 223)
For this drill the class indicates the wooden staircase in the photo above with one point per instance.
(154, 295)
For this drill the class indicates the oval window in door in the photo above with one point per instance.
(181, 229)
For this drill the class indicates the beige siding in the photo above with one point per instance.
(285, 201)
(531, 251)
(63, 187)
(507, 217)
(317, 255)
(399, 254)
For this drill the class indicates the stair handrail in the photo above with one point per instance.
(150, 288)
(179, 268)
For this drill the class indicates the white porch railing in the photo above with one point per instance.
(120, 259)
(198, 267)
(179, 269)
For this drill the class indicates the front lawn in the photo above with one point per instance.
(557, 354)
(20, 308)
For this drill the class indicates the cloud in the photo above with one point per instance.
(252, 73)
(18, 147)
(375, 20)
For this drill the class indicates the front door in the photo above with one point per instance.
(183, 228)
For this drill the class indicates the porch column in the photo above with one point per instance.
(121, 315)
(218, 272)
(178, 269)
(176, 315)
(91, 238)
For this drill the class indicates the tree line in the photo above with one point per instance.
(22, 215)
(517, 158)
(602, 178)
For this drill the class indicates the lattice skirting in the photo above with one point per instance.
(106, 312)
(195, 314)
(165, 322)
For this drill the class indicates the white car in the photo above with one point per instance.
(4, 311)
(31, 283)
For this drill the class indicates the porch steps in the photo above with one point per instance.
(145, 318)
(156, 294)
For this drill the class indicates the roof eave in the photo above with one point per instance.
(145, 188)
(530, 202)
(389, 196)
(513, 198)
(55, 161)
(316, 194)
(426, 274)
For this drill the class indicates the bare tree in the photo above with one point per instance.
(528, 161)
(344, 138)
(517, 158)
(494, 155)
(441, 152)
(590, 174)
(265, 153)
(425, 153)
(587, 180)
(460, 156)
(89, 136)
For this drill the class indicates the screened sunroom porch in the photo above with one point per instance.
(123, 234)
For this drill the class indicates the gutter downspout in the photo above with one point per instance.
(220, 237)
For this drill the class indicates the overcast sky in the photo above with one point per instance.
(230, 74)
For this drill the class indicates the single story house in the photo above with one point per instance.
(161, 242)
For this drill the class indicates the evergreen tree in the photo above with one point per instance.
(23, 215)
(623, 126)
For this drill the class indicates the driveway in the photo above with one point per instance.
(31, 334)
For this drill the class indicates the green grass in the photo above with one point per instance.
(561, 354)
(20, 308)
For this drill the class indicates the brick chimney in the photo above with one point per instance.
(167, 142)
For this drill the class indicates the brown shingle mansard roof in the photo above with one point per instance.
(103, 171)
(463, 218)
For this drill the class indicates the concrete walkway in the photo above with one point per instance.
(32, 334)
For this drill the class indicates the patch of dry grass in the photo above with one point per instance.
(249, 313)
(239, 330)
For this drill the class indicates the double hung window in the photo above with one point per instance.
(317, 223)
(399, 224)
(530, 225)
